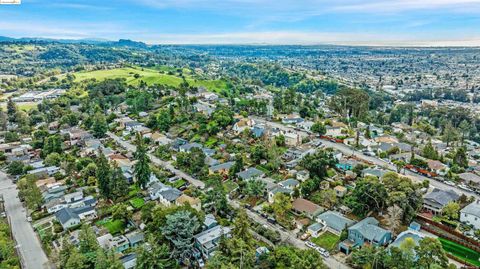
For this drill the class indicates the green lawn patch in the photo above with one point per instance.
(113, 226)
(134, 190)
(461, 252)
(331, 172)
(150, 77)
(210, 142)
(179, 183)
(137, 202)
(230, 186)
(327, 240)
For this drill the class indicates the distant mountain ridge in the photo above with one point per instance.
(121, 42)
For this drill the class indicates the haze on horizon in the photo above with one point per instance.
(346, 22)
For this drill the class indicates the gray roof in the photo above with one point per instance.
(189, 146)
(289, 183)
(170, 194)
(471, 177)
(316, 227)
(135, 237)
(281, 190)
(250, 173)
(226, 165)
(80, 210)
(442, 197)
(374, 172)
(212, 234)
(472, 209)
(369, 229)
(335, 220)
(66, 214)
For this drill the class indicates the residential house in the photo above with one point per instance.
(129, 261)
(67, 218)
(304, 206)
(208, 241)
(289, 183)
(437, 199)
(222, 168)
(333, 131)
(278, 189)
(292, 139)
(168, 196)
(303, 175)
(243, 124)
(366, 231)
(292, 119)
(315, 229)
(471, 214)
(192, 201)
(340, 191)
(473, 180)
(437, 167)
(251, 173)
(334, 222)
(135, 238)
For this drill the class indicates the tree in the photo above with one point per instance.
(327, 198)
(118, 184)
(430, 253)
(291, 257)
(103, 175)
(449, 133)
(429, 151)
(11, 110)
(451, 210)
(258, 153)
(179, 230)
(317, 164)
(142, 166)
(460, 157)
(394, 218)
(107, 260)
(53, 159)
(369, 194)
(399, 164)
(30, 192)
(367, 257)
(255, 188)
(15, 168)
(464, 127)
(241, 226)
(319, 128)
(52, 144)
(76, 260)
(155, 257)
(281, 205)
(99, 126)
(216, 200)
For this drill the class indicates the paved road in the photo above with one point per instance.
(287, 236)
(349, 151)
(130, 147)
(31, 251)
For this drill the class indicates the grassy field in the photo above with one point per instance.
(136, 202)
(327, 240)
(464, 253)
(25, 106)
(149, 76)
(113, 226)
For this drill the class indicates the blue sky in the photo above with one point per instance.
(371, 22)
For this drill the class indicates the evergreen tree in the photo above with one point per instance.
(99, 126)
(142, 167)
(103, 175)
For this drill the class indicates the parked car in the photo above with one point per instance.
(310, 244)
(304, 236)
(449, 183)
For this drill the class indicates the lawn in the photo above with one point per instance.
(113, 226)
(327, 240)
(230, 186)
(137, 202)
(461, 252)
(149, 76)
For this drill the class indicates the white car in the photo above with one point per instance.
(322, 252)
(464, 187)
(449, 183)
(310, 244)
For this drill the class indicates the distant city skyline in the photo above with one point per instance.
(346, 22)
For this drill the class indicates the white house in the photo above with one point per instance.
(471, 214)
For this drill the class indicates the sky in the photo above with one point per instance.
(347, 22)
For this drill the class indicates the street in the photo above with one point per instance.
(287, 236)
(168, 166)
(349, 151)
(32, 254)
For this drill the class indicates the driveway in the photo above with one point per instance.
(28, 244)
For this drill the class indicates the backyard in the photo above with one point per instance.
(327, 240)
(461, 252)
(113, 226)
